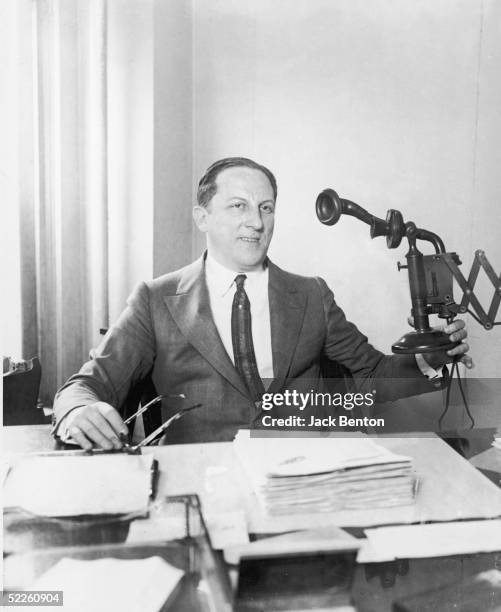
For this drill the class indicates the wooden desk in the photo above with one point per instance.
(27, 439)
(209, 470)
(187, 469)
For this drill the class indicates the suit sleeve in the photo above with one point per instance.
(391, 377)
(125, 356)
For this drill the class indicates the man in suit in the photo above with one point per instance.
(227, 327)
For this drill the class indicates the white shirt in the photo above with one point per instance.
(221, 286)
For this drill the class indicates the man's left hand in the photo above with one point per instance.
(457, 332)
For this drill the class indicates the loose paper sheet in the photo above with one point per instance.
(432, 540)
(108, 585)
(72, 486)
(308, 541)
(227, 529)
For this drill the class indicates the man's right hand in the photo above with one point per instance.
(96, 425)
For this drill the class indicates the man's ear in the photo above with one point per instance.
(200, 217)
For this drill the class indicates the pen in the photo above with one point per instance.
(154, 475)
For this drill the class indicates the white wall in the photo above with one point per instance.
(393, 104)
(485, 205)
(173, 135)
(130, 146)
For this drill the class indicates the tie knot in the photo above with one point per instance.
(239, 281)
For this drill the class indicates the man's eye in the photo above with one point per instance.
(237, 205)
(267, 208)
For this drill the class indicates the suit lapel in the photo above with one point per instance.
(287, 308)
(190, 309)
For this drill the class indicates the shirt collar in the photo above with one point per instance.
(220, 279)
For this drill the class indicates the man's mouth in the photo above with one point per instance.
(249, 239)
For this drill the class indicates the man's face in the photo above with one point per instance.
(239, 219)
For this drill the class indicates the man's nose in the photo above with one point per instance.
(254, 219)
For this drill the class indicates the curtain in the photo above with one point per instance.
(89, 226)
(65, 272)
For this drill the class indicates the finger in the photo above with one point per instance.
(456, 325)
(79, 437)
(113, 418)
(467, 361)
(100, 423)
(457, 336)
(461, 349)
(94, 434)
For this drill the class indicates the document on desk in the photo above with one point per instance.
(307, 542)
(73, 486)
(297, 475)
(431, 540)
(111, 584)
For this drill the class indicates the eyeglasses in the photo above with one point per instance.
(160, 430)
(153, 402)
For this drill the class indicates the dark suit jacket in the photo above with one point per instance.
(167, 329)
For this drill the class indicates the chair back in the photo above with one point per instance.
(21, 386)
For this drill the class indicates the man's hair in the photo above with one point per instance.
(207, 187)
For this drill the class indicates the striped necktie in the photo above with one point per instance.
(243, 347)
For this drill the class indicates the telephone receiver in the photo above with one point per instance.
(430, 276)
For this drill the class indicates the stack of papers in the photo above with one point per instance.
(64, 486)
(297, 475)
(110, 584)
